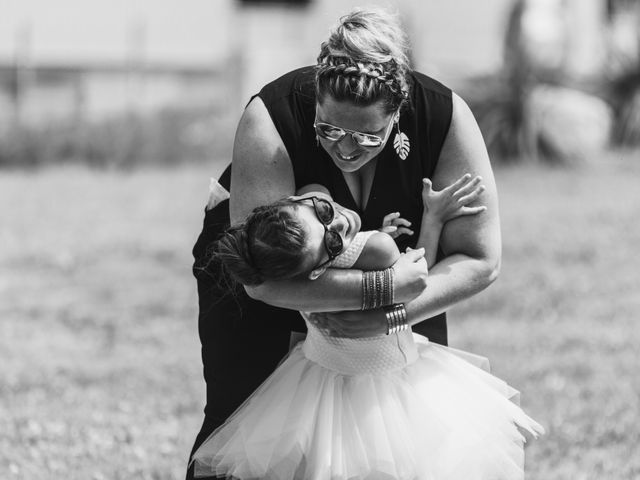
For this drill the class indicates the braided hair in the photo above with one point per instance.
(270, 244)
(364, 61)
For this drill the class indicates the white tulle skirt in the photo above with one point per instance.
(437, 418)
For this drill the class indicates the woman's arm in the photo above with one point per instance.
(472, 244)
(262, 173)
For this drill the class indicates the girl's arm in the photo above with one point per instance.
(471, 244)
(439, 207)
(445, 205)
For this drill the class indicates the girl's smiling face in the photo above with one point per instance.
(346, 223)
(346, 153)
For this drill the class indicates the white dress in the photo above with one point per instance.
(391, 407)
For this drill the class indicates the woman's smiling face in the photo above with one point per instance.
(346, 153)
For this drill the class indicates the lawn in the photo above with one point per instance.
(100, 373)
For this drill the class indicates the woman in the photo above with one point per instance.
(336, 124)
(390, 406)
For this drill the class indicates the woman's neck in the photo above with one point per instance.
(360, 183)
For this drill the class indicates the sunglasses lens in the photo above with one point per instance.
(335, 134)
(324, 211)
(367, 140)
(333, 242)
(329, 132)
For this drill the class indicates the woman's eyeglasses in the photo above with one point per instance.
(335, 134)
(332, 240)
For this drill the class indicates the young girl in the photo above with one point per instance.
(393, 406)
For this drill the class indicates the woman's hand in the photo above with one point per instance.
(452, 201)
(351, 324)
(410, 275)
(395, 226)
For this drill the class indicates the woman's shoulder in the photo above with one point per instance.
(431, 108)
(428, 84)
(298, 82)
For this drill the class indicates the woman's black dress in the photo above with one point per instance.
(242, 339)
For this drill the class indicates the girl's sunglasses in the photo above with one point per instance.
(335, 134)
(332, 240)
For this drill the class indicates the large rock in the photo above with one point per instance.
(568, 124)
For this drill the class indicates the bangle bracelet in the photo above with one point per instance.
(396, 316)
(377, 289)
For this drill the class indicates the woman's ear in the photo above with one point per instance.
(316, 273)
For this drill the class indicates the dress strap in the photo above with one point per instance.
(347, 258)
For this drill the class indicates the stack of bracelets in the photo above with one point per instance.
(377, 292)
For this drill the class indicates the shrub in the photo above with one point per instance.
(168, 137)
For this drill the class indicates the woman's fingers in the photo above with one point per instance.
(349, 326)
(319, 319)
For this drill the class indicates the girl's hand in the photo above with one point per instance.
(452, 201)
(395, 226)
(410, 275)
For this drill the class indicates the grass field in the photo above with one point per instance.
(100, 374)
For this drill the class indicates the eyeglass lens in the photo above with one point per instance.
(325, 213)
(335, 134)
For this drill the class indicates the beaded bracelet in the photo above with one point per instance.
(396, 318)
(377, 289)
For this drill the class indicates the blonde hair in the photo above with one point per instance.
(364, 60)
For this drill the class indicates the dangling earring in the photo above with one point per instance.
(401, 142)
(317, 140)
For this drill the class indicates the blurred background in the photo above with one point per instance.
(113, 117)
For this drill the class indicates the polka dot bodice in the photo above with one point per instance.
(358, 356)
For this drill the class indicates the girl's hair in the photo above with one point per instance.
(270, 244)
(364, 61)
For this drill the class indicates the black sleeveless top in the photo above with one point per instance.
(397, 184)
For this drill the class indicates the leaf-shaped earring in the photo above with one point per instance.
(401, 143)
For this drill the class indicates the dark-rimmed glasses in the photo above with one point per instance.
(335, 134)
(325, 213)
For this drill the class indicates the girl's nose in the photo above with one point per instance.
(339, 224)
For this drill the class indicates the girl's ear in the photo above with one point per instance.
(317, 272)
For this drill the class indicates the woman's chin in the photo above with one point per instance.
(352, 165)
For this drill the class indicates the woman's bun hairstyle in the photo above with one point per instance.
(270, 244)
(364, 60)
(233, 252)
